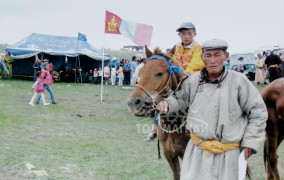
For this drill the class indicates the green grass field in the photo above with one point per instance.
(80, 137)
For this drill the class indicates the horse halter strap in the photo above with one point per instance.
(172, 67)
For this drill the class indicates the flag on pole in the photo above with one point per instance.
(82, 37)
(141, 34)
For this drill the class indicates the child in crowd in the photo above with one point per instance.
(106, 73)
(91, 75)
(113, 75)
(120, 75)
(96, 75)
(38, 85)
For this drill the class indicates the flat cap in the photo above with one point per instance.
(215, 44)
(186, 25)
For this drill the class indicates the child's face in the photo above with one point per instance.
(187, 36)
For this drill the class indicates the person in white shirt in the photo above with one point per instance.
(113, 75)
(137, 70)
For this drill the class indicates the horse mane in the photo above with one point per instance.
(169, 56)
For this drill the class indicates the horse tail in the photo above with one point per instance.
(266, 155)
(248, 172)
(159, 150)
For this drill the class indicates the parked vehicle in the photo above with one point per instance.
(249, 62)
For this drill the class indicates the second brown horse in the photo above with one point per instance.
(273, 97)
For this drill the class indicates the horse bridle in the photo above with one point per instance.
(166, 87)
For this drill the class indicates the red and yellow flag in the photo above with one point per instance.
(112, 23)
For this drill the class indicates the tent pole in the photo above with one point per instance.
(102, 78)
(80, 72)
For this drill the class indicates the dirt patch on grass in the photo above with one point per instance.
(9, 173)
(83, 115)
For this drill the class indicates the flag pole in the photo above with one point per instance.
(76, 62)
(103, 59)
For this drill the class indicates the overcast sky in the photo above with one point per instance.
(245, 24)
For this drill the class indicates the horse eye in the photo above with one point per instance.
(160, 74)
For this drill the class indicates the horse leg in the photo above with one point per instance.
(280, 131)
(271, 146)
(174, 163)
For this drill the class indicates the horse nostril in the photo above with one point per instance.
(137, 102)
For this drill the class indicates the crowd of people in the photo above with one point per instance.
(267, 67)
(114, 73)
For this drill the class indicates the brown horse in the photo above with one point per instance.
(155, 83)
(273, 97)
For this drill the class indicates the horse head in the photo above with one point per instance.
(156, 79)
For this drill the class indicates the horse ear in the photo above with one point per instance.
(172, 51)
(148, 52)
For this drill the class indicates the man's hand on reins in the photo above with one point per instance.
(183, 77)
(163, 107)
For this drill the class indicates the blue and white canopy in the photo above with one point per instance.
(54, 45)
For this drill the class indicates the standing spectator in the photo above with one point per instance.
(282, 59)
(8, 60)
(36, 67)
(113, 75)
(48, 82)
(241, 65)
(133, 66)
(272, 61)
(226, 115)
(114, 62)
(85, 76)
(106, 73)
(38, 85)
(260, 70)
(137, 70)
(96, 75)
(281, 56)
(122, 62)
(73, 75)
(91, 75)
(126, 72)
(100, 75)
(66, 75)
(120, 75)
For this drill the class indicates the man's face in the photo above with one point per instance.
(214, 60)
(187, 36)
